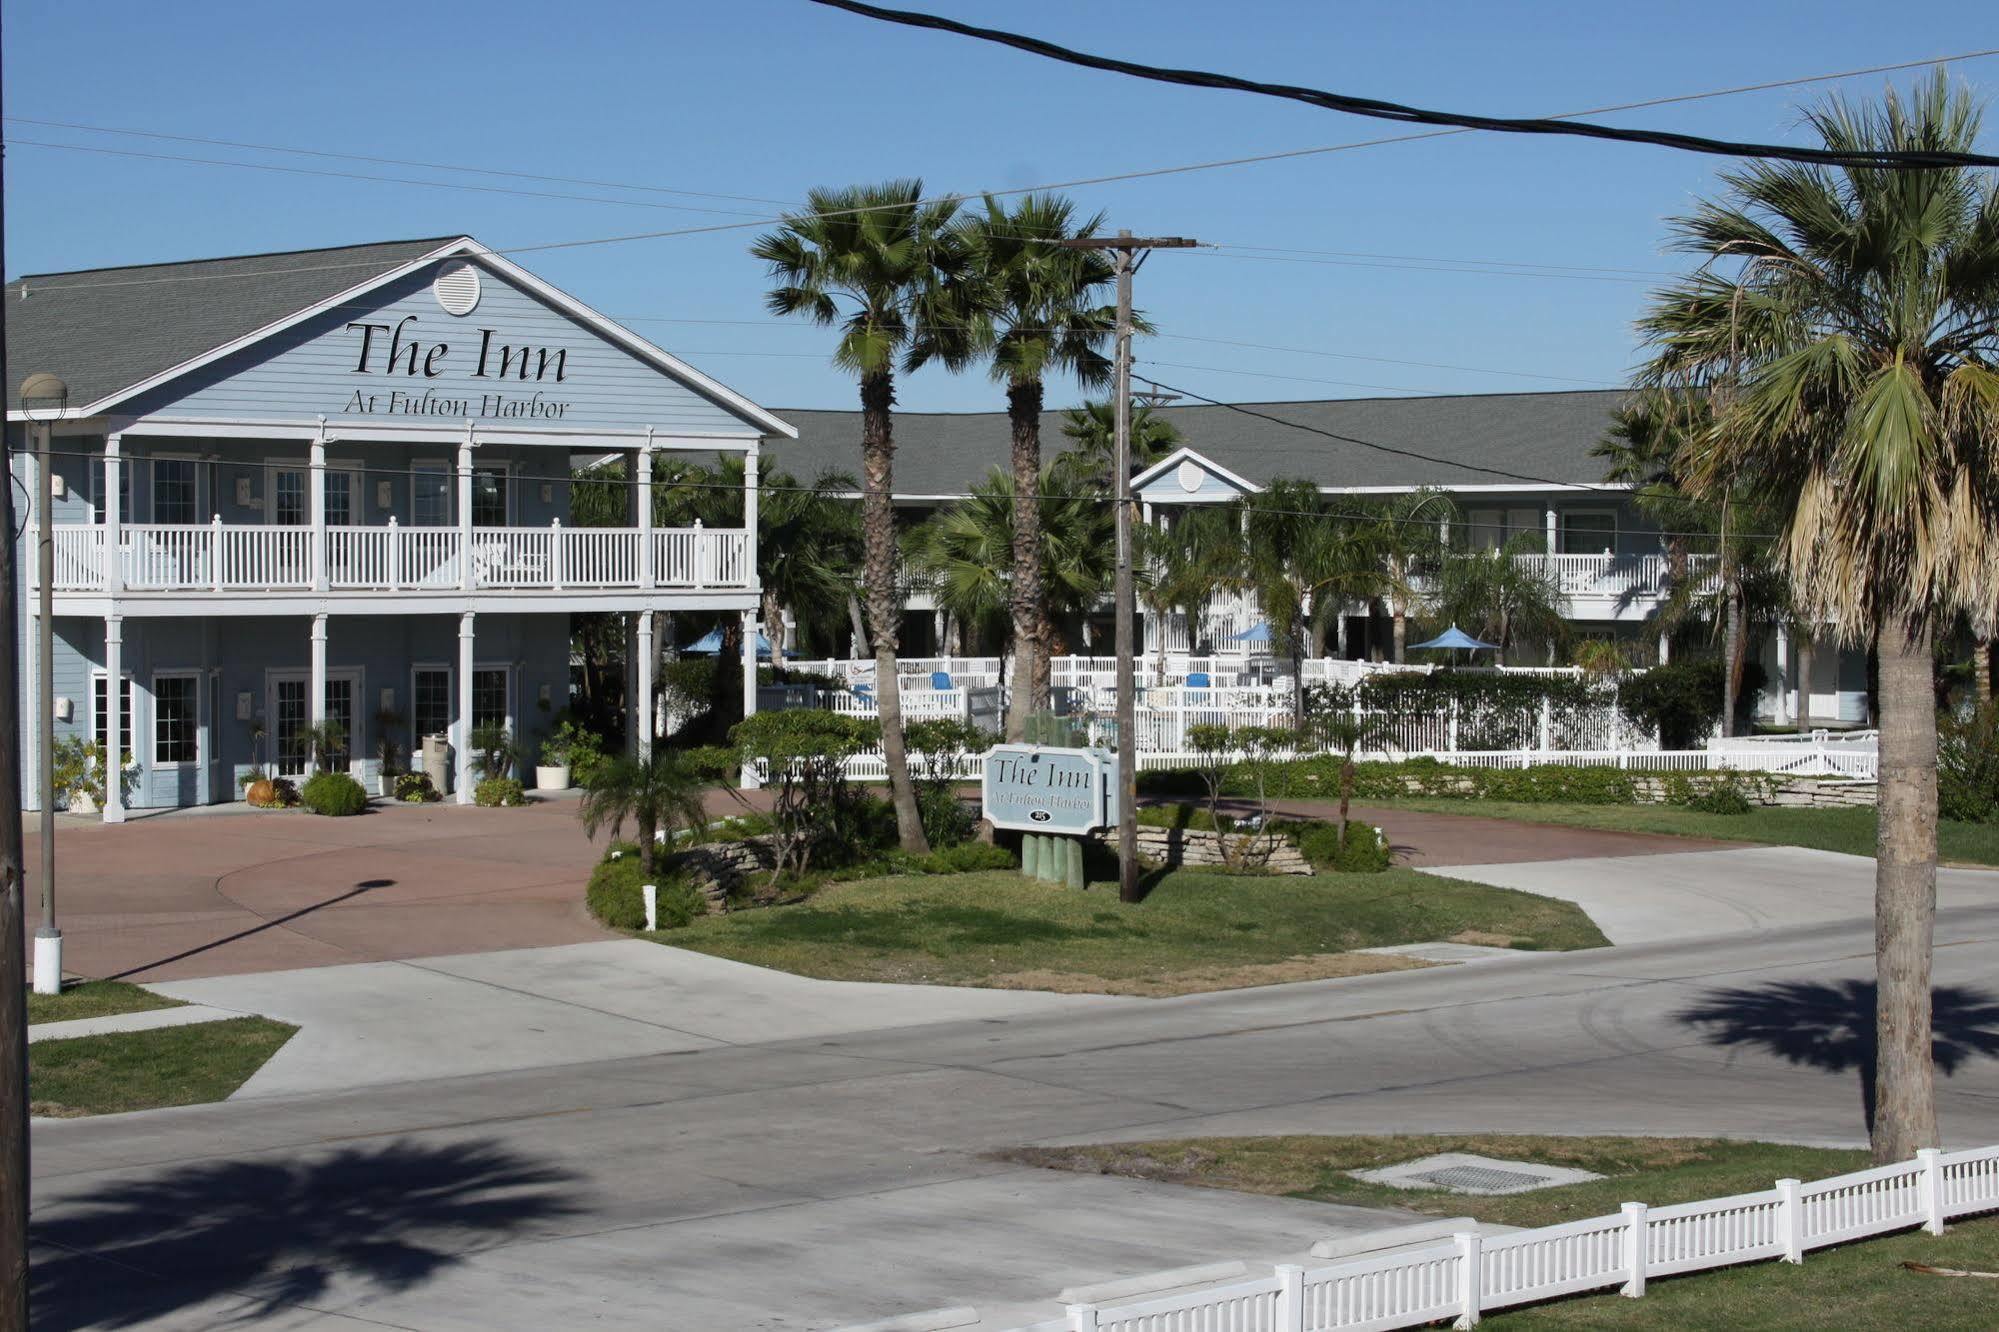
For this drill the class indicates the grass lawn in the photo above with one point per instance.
(89, 999)
(1195, 931)
(143, 1070)
(1856, 1286)
(1848, 830)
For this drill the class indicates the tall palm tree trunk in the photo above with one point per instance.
(1023, 412)
(1401, 631)
(884, 606)
(858, 626)
(773, 618)
(1732, 656)
(1981, 669)
(1804, 684)
(1905, 898)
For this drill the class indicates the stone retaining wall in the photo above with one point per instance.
(1174, 847)
(717, 867)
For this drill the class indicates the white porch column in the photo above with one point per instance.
(750, 460)
(465, 510)
(639, 705)
(316, 692)
(642, 500)
(461, 724)
(114, 702)
(1548, 519)
(114, 565)
(749, 778)
(1783, 681)
(315, 479)
(1665, 647)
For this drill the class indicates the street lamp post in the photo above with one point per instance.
(43, 397)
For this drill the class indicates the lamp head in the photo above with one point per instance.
(43, 393)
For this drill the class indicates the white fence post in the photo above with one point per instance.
(1547, 724)
(1082, 1318)
(1791, 1220)
(555, 554)
(394, 560)
(215, 551)
(1290, 1298)
(1634, 1249)
(1451, 738)
(650, 892)
(1931, 1188)
(1471, 1279)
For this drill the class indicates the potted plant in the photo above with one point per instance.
(494, 752)
(388, 725)
(567, 753)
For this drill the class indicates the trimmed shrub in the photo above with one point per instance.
(967, 857)
(1720, 798)
(1681, 700)
(615, 896)
(415, 788)
(498, 792)
(334, 794)
(1319, 778)
(1365, 850)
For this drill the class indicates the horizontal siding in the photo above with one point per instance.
(311, 369)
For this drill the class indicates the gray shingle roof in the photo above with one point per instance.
(1539, 435)
(104, 329)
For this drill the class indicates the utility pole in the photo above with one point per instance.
(13, 904)
(1125, 252)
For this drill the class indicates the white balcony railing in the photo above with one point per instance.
(215, 557)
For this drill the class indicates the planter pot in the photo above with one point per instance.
(552, 779)
(262, 793)
(82, 802)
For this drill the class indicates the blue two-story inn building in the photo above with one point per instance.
(332, 485)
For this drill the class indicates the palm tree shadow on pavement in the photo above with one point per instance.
(271, 1235)
(1830, 1025)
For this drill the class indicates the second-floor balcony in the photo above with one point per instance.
(222, 558)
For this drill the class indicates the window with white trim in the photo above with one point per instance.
(489, 497)
(1587, 531)
(100, 702)
(489, 696)
(176, 717)
(430, 702)
(175, 487)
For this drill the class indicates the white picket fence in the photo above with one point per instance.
(1469, 1275)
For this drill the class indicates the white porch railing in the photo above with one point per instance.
(1471, 1274)
(217, 557)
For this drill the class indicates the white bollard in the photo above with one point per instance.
(48, 964)
(651, 892)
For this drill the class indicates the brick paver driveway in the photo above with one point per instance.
(223, 892)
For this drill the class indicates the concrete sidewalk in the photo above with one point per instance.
(443, 1017)
(1693, 894)
(151, 1019)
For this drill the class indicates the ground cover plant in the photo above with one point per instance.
(143, 1070)
(1854, 1286)
(97, 998)
(334, 794)
(1195, 931)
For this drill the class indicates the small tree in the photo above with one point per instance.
(939, 747)
(316, 745)
(1345, 734)
(494, 751)
(1219, 753)
(804, 753)
(664, 791)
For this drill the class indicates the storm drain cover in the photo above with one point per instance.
(1461, 1172)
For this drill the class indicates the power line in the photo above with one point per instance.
(1121, 176)
(1443, 259)
(362, 175)
(1922, 159)
(1215, 252)
(1386, 360)
(1300, 379)
(390, 161)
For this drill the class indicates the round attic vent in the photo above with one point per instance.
(457, 289)
(1189, 475)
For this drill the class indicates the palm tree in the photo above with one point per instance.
(1411, 540)
(1502, 598)
(1855, 315)
(663, 791)
(1093, 428)
(962, 551)
(808, 551)
(1305, 563)
(1180, 568)
(873, 260)
(1033, 308)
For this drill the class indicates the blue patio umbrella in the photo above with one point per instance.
(1256, 633)
(1455, 638)
(710, 643)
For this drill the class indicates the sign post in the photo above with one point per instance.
(1054, 797)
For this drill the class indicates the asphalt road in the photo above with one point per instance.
(828, 1180)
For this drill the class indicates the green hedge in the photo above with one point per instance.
(499, 792)
(615, 896)
(1318, 778)
(1365, 850)
(333, 793)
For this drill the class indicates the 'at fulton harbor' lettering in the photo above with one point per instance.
(389, 350)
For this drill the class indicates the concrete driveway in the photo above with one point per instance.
(377, 1023)
(1690, 894)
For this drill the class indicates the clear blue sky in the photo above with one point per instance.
(769, 97)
